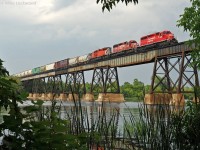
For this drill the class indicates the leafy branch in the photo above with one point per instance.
(108, 4)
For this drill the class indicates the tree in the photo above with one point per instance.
(108, 4)
(190, 21)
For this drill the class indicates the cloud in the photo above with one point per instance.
(56, 29)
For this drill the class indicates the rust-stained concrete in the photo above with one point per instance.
(165, 98)
(88, 97)
(71, 98)
(110, 97)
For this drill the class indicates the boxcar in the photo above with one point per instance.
(101, 52)
(125, 46)
(157, 38)
(61, 64)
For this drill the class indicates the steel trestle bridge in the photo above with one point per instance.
(168, 61)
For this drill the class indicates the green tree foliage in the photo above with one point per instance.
(187, 128)
(190, 21)
(134, 90)
(108, 4)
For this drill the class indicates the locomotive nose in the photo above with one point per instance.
(171, 35)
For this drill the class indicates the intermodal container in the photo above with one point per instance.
(36, 70)
(61, 64)
(50, 66)
(73, 61)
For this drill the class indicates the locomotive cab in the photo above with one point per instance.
(169, 36)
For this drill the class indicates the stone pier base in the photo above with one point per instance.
(177, 99)
(88, 97)
(71, 98)
(50, 97)
(110, 97)
(165, 98)
(43, 97)
(30, 96)
(195, 100)
(157, 98)
(36, 96)
(62, 97)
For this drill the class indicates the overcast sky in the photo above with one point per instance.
(37, 32)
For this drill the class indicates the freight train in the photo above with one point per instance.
(152, 40)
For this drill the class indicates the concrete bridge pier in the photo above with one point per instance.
(30, 96)
(35, 96)
(72, 97)
(110, 97)
(176, 99)
(43, 96)
(62, 97)
(88, 97)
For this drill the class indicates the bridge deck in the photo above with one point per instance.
(126, 58)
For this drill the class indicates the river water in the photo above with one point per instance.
(93, 109)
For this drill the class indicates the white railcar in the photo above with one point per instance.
(50, 66)
(83, 58)
(73, 61)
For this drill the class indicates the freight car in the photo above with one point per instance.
(83, 58)
(50, 66)
(73, 61)
(61, 64)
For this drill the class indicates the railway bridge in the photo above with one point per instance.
(69, 83)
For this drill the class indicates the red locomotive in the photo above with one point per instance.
(125, 46)
(157, 37)
(101, 52)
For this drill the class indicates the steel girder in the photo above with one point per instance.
(38, 85)
(174, 74)
(75, 83)
(105, 80)
(28, 85)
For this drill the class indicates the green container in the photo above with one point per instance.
(36, 70)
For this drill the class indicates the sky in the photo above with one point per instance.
(37, 32)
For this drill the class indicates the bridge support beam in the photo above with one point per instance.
(171, 76)
(105, 81)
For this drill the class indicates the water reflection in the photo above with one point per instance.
(92, 111)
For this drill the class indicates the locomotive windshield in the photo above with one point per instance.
(166, 32)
